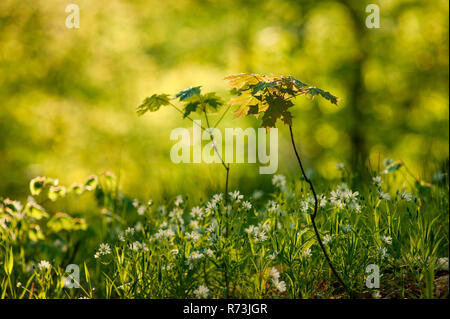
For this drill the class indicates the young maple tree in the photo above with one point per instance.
(193, 101)
(269, 98)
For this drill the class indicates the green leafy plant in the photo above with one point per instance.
(270, 97)
(193, 101)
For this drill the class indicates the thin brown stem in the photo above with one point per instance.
(314, 214)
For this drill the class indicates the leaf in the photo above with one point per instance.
(257, 94)
(238, 81)
(9, 261)
(327, 95)
(392, 167)
(56, 192)
(36, 185)
(212, 100)
(190, 107)
(207, 101)
(153, 103)
(91, 183)
(188, 93)
(278, 109)
(62, 221)
(35, 211)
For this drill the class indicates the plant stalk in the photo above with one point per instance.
(313, 215)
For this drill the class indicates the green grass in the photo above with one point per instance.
(253, 246)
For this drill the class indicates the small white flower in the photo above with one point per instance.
(382, 252)
(193, 258)
(404, 195)
(327, 238)
(273, 255)
(44, 264)
(383, 196)
(201, 292)
(257, 194)
(377, 181)
(347, 228)
(209, 252)
(304, 205)
(247, 205)
(280, 285)
(174, 251)
(178, 200)
(129, 231)
(340, 166)
(236, 196)
(271, 206)
(194, 236)
(386, 239)
(322, 200)
(274, 273)
(137, 246)
(218, 197)
(307, 253)
(442, 264)
(194, 224)
(141, 210)
(279, 181)
(197, 212)
(104, 249)
(135, 202)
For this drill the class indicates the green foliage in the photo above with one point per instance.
(153, 103)
(188, 93)
(270, 95)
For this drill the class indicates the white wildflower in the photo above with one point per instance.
(44, 264)
(340, 166)
(141, 210)
(178, 200)
(201, 292)
(386, 239)
(279, 181)
(197, 212)
(246, 205)
(327, 238)
(377, 181)
(404, 195)
(209, 252)
(104, 249)
(236, 196)
(194, 236)
(307, 253)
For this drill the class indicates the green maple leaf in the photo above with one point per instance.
(188, 93)
(313, 91)
(258, 94)
(153, 103)
(191, 107)
(278, 109)
(201, 102)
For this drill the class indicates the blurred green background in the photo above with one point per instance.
(68, 96)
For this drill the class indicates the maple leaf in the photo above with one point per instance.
(278, 109)
(153, 103)
(204, 101)
(257, 94)
(188, 93)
